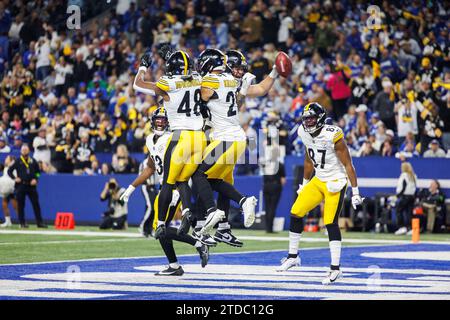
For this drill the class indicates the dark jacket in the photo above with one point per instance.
(27, 170)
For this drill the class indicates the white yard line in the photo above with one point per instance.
(65, 241)
(254, 238)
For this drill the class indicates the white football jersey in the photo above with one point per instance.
(321, 151)
(183, 108)
(224, 109)
(156, 151)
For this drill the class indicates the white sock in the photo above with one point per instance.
(198, 244)
(7, 219)
(160, 223)
(174, 265)
(184, 211)
(335, 250)
(200, 224)
(294, 240)
(224, 226)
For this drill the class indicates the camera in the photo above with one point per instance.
(112, 185)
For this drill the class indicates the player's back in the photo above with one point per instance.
(223, 107)
(321, 151)
(183, 107)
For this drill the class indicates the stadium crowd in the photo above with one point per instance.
(383, 76)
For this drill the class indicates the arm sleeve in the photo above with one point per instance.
(11, 170)
(338, 135)
(401, 185)
(163, 84)
(210, 82)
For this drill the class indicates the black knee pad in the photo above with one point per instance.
(296, 225)
(334, 233)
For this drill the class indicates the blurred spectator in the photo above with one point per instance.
(4, 148)
(82, 154)
(406, 189)
(384, 104)
(434, 150)
(434, 208)
(41, 146)
(122, 162)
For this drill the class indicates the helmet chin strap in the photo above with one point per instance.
(159, 132)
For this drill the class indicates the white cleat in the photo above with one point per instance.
(287, 263)
(249, 207)
(212, 219)
(332, 276)
(6, 224)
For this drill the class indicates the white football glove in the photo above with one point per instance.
(357, 200)
(175, 197)
(127, 193)
(274, 73)
(246, 82)
(300, 186)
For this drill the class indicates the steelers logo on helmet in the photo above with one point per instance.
(179, 64)
(236, 63)
(160, 122)
(211, 60)
(313, 117)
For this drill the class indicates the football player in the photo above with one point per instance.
(156, 144)
(180, 90)
(327, 156)
(219, 90)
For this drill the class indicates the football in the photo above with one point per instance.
(283, 64)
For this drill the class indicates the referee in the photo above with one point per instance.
(25, 172)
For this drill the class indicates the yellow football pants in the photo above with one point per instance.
(312, 194)
(183, 154)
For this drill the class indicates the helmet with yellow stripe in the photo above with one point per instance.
(313, 117)
(179, 63)
(160, 122)
(211, 60)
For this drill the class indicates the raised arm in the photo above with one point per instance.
(147, 87)
(262, 88)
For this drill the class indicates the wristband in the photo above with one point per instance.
(355, 191)
(274, 73)
(131, 188)
(305, 181)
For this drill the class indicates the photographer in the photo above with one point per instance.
(115, 216)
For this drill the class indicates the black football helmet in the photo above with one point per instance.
(209, 60)
(313, 117)
(236, 63)
(180, 64)
(159, 121)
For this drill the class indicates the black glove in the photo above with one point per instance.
(204, 110)
(165, 51)
(146, 60)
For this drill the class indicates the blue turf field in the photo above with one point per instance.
(420, 271)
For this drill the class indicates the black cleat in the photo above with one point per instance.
(204, 254)
(42, 225)
(160, 232)
(170, 272)
(204, 239)
(185, 223)
(227, 237)
(23, 226)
